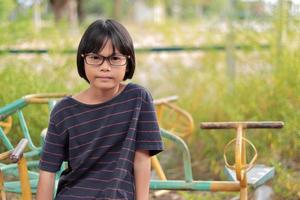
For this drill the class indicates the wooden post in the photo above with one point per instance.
(230, 45)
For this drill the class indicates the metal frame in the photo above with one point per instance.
(16, 156)
(50, 99)
(240, 166)
(166, 105)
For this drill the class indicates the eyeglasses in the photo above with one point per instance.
(115, 60)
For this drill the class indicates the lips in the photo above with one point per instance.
(104, 77)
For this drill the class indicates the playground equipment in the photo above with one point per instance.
(34, 150)
(173, 119)
(181, 119)
(239, 172)
(16, 156)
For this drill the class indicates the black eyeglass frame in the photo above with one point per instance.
(104, 59)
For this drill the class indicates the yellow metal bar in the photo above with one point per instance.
(188, 117)
(6, 125)
(4, 155)
(43, 98)
(244, 166)
(182, 123)
(244, 193)
(24, 179)
(238, 152)
(240, 162)
(2, 192)
(229, 186)
(243, 181)
(157, 167)
(165, 100)
(244, 158)
(159, 109)
(45, 95)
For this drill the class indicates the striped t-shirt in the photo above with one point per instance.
(99, 143)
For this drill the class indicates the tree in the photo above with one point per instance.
(71, 10)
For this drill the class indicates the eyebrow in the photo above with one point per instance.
(109, 55)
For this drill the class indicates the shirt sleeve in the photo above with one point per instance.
(148, 132)
(54, 149)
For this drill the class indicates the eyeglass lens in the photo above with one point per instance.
(114, 60)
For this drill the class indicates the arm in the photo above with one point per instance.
(142, 173)
(45, 186)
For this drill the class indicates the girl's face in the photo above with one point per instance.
(106, 76)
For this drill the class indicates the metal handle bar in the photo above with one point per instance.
(165, 100)
(42, 98)
(17, 153)
(245, 124)
(11, 108)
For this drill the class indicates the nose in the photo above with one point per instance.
(105, 66)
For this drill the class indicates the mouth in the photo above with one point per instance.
(104, 77)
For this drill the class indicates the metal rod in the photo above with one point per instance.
(185, 151)
(157, 167)
(142, 50)
(195, 185)
(165, 100)
(24, 179)
(17, 153)
(244, 124)
(238, 153)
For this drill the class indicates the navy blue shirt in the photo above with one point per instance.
(99, 143)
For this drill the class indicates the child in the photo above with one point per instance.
(107, 132)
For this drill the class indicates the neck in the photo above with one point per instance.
(103, 95)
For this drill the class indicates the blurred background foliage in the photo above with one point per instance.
(246, 66)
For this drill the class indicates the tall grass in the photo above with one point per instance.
(22, 75)
(262, 91)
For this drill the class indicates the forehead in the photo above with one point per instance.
(108, 48)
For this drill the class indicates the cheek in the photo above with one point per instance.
(88, 74)
(121, 73)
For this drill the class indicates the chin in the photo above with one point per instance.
(105, 86)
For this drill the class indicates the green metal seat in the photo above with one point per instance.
(257, 175)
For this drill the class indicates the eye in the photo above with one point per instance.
(116, 58)
(94, 57)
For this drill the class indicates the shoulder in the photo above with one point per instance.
(61, 107)
(141, 91)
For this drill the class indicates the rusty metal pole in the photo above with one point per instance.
(2, 192)
(24, 179)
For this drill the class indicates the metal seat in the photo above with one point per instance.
(257, 175)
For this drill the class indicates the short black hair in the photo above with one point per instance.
(95, 37)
